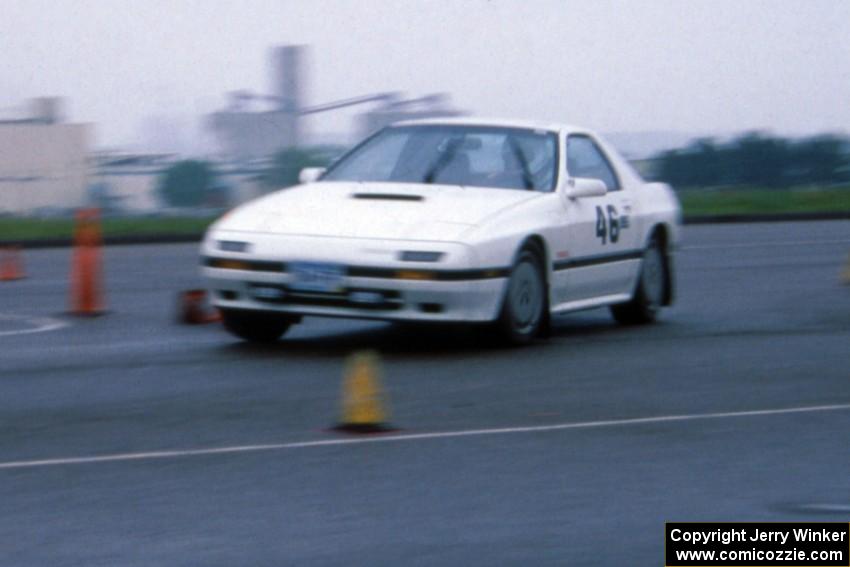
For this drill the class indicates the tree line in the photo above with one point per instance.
(192, 183)
(757, 159)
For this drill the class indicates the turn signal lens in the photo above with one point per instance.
(414, 275)
(231, 265)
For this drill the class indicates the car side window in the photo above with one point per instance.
(585, 159)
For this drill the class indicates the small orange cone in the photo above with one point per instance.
(362, 399)
(191, 308)
(86, 277)
(11, 264)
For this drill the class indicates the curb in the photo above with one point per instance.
(195, 238)
(765, 217)
(108, 240)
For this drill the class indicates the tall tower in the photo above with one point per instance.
(287, 70)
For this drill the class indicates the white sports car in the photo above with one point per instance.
(484, 221)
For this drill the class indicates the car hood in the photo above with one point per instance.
(374, 210)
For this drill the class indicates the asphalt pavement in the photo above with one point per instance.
(131, 440)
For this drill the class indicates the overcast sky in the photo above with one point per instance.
(630, 65)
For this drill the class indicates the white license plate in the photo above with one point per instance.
(316, 276)
(267, 292)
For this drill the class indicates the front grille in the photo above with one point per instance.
(390, 300)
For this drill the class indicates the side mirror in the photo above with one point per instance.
(310, 174)
(579, 187)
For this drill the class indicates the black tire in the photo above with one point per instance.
(650, 291)
(523, 312)
(255, 327)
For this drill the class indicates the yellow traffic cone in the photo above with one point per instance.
(845, 273)
(362, 400)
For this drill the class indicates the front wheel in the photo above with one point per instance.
(649, 293)
(522, 315)
(255, 327)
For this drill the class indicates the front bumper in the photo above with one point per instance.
(376, 285)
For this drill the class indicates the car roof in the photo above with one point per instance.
(509, 123)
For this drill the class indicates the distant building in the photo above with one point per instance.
(245, 133)
(255, 126)
(125, 182)
(247, 136)
(42, 160)
(430, 106)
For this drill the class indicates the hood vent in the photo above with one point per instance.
(388, 197)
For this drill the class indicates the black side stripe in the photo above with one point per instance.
(363, 271)
(596, 260)
(236, 264)
(438, 275)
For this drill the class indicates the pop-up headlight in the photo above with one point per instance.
(417, 256)
(233, 246)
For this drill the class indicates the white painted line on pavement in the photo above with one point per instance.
(36, 324)
(831, 508)
(409, 437)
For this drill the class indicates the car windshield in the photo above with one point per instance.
(478, 156)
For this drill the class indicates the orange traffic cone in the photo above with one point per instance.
(11, 264)
(86, 285)
(191, 308)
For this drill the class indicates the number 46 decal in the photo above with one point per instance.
(610, 229)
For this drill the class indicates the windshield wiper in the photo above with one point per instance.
(442, 161)
(527, 180)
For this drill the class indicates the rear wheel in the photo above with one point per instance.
(649, 293)
(522, 315)
(255, 327)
